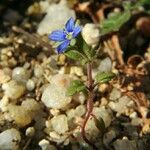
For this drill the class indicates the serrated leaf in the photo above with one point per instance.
(88, 51)
(84, 48)
(74, 54)
(75, 86)
(104, 77)
(113, 23)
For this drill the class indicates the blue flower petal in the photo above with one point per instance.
(70, 25)
(61, 48)
(58, 35)
(76, 31)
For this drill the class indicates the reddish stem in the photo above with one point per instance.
(89, 104)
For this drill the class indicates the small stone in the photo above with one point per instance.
(4, 77)
(105, 65)
(77, 71)
(51, 22)
(9, 139)
(54, 135)
(31, 105)
(38, 71)
(79, 97)
(34, 9)
(103, 87)
(103, 101)
(30, 85)
(71, 113)
(24, 114)
(105, 114)
(115, 94)
(48, 124)
(4, 103)
(54, 112)
(61, 80)
(45, 145)
(109, 137)
(121, 105)
(60, 124)
(13, 89)
(20, 74)
(30, 131)
(91, 34)
(124, 144)
(133, 115)
(80, 110)
(91, 129)
(54, 96)
(146, 128)
(137, 122)
(61, 59)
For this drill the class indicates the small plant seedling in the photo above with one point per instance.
(71, 43)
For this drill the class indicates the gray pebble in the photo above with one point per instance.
(20, 74)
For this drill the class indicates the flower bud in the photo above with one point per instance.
(91, 34)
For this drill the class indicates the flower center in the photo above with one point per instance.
(69, 36)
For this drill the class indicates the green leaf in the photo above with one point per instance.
(75, 86)
(144, 2)
(88, 51)
(74, 54)
(104, 77)
(100, 124)
(84, 48)
(113, 23)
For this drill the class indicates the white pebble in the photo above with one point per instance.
(91, 34)
(105, 65)
(30, 85)
(9, 139)
(30, 131)
(133, 115)
(13, 89)
(121, 105)
(45, 145)
(54, 96)
(115, 94)
(60, 124)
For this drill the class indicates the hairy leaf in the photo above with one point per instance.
(113, 23)
(74, 54)
(75, 86)
(104, 77)
(88, 51)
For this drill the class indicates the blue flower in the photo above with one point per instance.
(66, 35)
